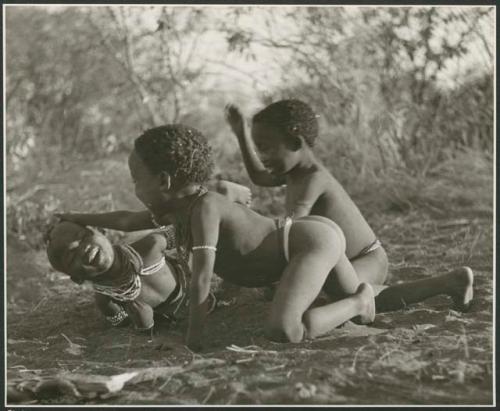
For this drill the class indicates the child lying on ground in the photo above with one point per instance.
(137, 282)
(283, 135)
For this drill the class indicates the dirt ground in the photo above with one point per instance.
(425, 354)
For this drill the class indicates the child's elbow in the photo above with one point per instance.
(266, 179)
(258, 179)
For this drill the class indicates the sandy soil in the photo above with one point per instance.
(425, 354)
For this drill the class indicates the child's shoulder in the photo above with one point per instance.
(211, 202)
(316, 175)
(211, 198)
(150, 245)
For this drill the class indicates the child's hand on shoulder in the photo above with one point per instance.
(235, 119)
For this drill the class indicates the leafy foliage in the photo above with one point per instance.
(83, 82)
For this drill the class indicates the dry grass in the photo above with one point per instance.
(425, 354)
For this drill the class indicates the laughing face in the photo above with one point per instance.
(274, 148)
(81, 252)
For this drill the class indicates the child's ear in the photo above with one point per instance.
(165, 181)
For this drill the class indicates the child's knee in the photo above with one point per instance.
(285, 331)
(310, 328)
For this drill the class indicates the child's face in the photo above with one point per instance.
(81, 252)
(274, 148)
(147, 185)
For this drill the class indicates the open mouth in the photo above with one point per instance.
(92, 254)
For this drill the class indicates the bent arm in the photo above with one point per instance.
(256, 170)
(205, 232)
(113, 312)
(115, 220)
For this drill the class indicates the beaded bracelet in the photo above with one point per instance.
(117, 318)
(204, 247)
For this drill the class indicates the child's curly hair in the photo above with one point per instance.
(49, 227)
(182, 151)
(294, 117)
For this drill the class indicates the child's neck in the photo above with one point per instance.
(306, 162)
(113, 272)
(179, 200)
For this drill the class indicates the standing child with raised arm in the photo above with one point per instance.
(283, 135)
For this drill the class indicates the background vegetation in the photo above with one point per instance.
(402, 92)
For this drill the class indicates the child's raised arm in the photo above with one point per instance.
(205, 221)
(115, 220)
(256, 170)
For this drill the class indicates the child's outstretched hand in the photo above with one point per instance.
(235, 119)
(71, 217)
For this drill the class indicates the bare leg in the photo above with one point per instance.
(344, 279)
(320, 320)
(371, 268)
(458, 284)
(315, 248)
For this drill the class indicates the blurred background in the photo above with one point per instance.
(404, 94)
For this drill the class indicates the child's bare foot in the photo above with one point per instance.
(462, 293)
(365, 295)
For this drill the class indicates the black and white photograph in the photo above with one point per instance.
(252, 205)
